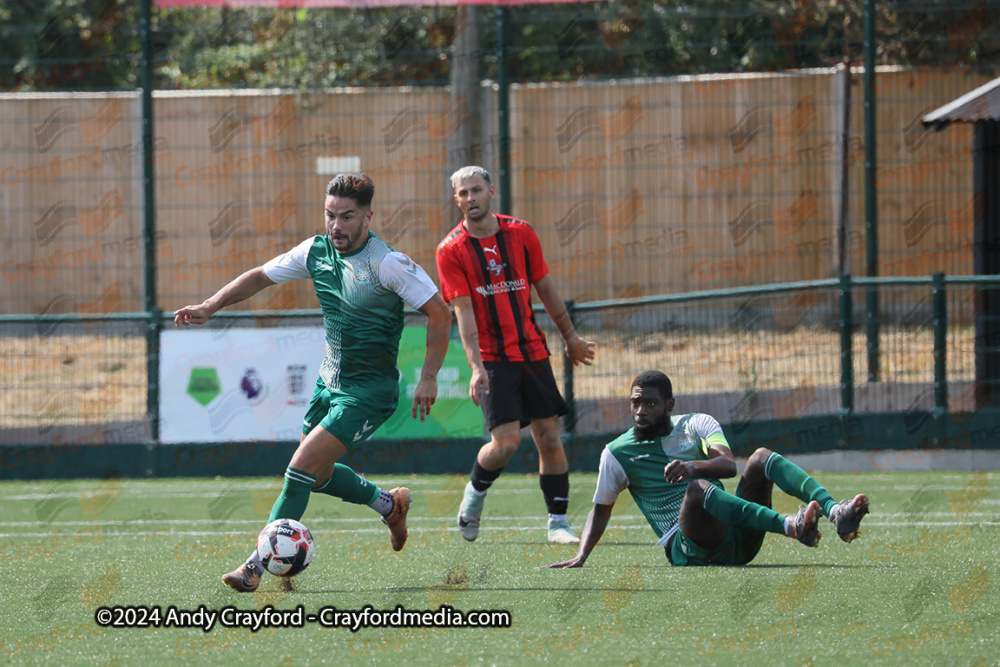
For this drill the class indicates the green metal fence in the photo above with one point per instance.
(789, 357)
(928, 343)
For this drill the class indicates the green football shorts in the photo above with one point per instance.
(739, 548)
(350, 416)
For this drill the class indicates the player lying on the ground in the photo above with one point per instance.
(361, 284)
(672, 467)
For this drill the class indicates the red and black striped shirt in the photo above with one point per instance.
(497, 274)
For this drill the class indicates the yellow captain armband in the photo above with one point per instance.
(714, 439)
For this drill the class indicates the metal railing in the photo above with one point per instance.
(846, 324)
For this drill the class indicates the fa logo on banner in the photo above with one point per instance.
(297, 384)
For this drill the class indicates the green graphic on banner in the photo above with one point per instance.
(204, 385)
(453, 415)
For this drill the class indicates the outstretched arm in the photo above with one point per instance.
(240, 289)
(470, 342)
(579, 350)
(597, 522)
(438, 330)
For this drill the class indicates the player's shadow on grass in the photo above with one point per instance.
(420, 589)
(775, 566)
(798, 566)
(552, 546)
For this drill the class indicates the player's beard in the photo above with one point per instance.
(348, 241)
(483, 210)
(655, 430)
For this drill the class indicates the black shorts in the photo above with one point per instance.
(521, 391)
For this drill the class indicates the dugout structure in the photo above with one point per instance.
(981, 109)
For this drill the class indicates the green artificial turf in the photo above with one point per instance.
(918, 587)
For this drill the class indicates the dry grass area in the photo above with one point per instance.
(101, 378)
(761, 360)
(72, 379)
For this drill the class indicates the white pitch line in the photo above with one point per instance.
(226, 484)
(112, 494)
(908, 524)
(936, 487)
(932, 514)
(412, 519)
(195, 533)
(126, 522)
(533, 528)
(446, 518)
(157, 492)
(139, 493)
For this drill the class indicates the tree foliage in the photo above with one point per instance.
(94, 44)
(68, 45)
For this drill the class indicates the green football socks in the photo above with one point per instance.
(735, 511)
(347, 485)
(294, 496)
(795, 481)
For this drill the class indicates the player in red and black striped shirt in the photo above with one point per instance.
(487, 266)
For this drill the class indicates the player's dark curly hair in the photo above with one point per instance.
(654, 379)
(356, 186)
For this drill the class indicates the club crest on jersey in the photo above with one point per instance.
(361, 274)
(496, 268)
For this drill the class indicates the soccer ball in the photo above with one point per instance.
(285, 547)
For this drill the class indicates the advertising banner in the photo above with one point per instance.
(255, 384)
(454, 415)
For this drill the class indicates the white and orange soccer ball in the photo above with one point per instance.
(285, 547)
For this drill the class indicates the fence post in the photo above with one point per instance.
(570, 419)
(153, 327)
(503, 112)
(846, 357)
(871, 193)
(149, 225)
(939, 298)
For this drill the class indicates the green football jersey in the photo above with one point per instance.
(638, 465)
(361, 294)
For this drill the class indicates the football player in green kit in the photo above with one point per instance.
(361, 284)
(672, 467)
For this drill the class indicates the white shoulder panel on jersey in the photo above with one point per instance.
(703, 425)
(290, 265)
(407, 279)
(611, 479)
